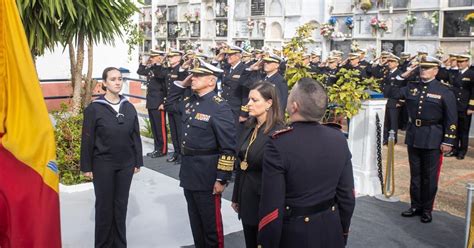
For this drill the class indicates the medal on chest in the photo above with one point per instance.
(244, 165)
(414, 92)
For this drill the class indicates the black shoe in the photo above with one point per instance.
(451, 154)
(178, 160)
(172, 158)
(158, 154)
(426, 217)
(411, 212)
(460, 157)
(151, 154)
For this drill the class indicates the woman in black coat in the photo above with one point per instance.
(265, 118)
(111, 152)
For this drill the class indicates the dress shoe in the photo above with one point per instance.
(178, 160)
(460, 157)
(150, 154)
(172, 158)
(426, 217)
(157, 154)
(411, 212)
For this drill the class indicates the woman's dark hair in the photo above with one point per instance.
(275, 113)
(105, 74)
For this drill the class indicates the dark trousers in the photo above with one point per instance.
(250, 234)
(175, 130)
(390, 123)
(111, 187)
(159, 129)
(464, 123)
(425, 167)
(204, 210)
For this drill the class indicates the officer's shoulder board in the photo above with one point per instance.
(445, 84)
(218, 99)
(277, 133)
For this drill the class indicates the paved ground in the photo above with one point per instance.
(455, 174)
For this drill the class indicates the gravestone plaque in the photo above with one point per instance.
(241, 10)
(342, 27)
(241, 29)
(172, 14)
(362, 26)
(428, 46)
(221, 8)
(424, 4)
(293, 7)
(344, 46)
(458, 47)
(258, 44)
(455, 25)
(342, 7)
(221, 28)
(172, 26)
(460, 3)
(399, 4)
(276, 32)
(396, 26)
(394, 46)
(195, 29)
(257, 8)
(423, 25)
(291, 23)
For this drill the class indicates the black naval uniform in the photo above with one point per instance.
(111, 148)
(170, 75)
(392, 111)
(235, 89)
(308, 188)
(155, 96)
(432, 121)
(208, 155)
(248, 181)
(331, 76)
(462, 82)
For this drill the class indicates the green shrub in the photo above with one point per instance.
(68, 144)
(146, 131)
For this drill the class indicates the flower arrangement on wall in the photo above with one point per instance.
(378, 24)
(338, 36)
(349, 22)
(250, 25)
(355, 46)
(160, 14)
(188, 16)
(365, 5)
(410, 20)
(261, 25)
(197, 14)
(332, 20)
(439, 52)
(326, 30)
(470, 18)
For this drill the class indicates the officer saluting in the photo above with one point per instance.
(308, 186)
(208, 151)
(431, 131)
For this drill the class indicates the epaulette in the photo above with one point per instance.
(218, 99)
(445, 84)
(281, 131)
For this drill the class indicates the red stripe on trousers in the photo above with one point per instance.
(163, 132)
(29, 215)
(220, 231)
(267, 219)
(437, 175)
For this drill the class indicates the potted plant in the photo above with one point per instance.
(410, 20)
(326, 30)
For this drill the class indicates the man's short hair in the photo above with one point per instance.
(311, 99)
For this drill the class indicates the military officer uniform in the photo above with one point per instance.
(392, 111)
(432, 121)
(303, 205)
(235, 86)
(462, 82)
(170, 75)
(155, 96)
(331, 78)
(208, 155)
(277, 80)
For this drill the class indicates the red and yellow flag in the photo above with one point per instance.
(29, 200)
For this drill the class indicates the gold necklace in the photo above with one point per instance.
(244, 165)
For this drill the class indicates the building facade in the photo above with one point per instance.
(434, 26)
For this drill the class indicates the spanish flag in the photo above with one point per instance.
(29, 200)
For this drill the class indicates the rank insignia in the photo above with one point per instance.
(452, 127)
(414, 92)
(435, 96)
(202, 117)
(218, 99)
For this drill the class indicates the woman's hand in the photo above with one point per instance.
(136, 170)
(89, 175)
(235, 206)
